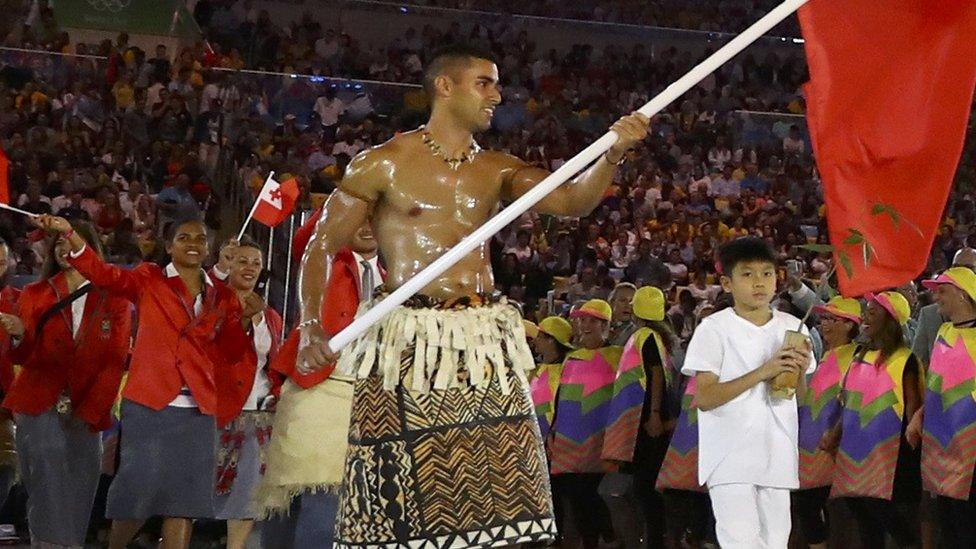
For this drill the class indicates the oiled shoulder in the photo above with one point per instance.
(370, 172)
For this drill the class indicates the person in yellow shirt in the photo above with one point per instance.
(737, 230)
(739, 173)
(124, 93)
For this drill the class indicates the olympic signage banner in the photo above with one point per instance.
(155, 17)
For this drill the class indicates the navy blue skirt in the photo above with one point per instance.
(166, 466)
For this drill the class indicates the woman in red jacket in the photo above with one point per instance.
(72, 340)
(189, 328)
(245, 399)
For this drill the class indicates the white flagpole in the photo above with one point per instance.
(560, 176)
(8, 207)
(288, 261)
(267, 288)
(254, 206)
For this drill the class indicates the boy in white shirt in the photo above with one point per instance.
(748, 439)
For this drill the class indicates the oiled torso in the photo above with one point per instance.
(424, 208)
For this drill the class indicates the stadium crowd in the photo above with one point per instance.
(131, 140)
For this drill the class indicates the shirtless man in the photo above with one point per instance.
(428, 460)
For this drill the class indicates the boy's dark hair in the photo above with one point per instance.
(449, 58)
(740, 250)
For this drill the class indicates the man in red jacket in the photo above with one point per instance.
(306, 453)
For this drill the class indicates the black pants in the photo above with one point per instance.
(957, 520)
(649, 456)
(811, 513)
(688, 512)
(580, 490)
(897, 516)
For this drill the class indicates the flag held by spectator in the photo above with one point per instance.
(890, 93)
(276, 201)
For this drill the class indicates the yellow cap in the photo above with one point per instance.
(531, 330)
(960, 277)
(648, 303)
(597, 308)
(893, 302)
(558, 328)
(842, 307)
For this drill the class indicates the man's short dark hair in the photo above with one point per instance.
(740, 250)
(450, 58)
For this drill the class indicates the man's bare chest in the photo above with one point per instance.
(428, 192)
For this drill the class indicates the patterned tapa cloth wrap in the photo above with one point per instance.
(444, 447)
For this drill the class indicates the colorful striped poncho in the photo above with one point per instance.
(543, 387)
(818, 410)
(629, 395)
(871, 422)
(581, 404)
(949, 427)
(680, 468)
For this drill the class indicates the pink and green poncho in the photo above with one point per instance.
(949, 427)
(680, 468)
(871, 421)
(630, 393)
(819, 409)
(573, 409)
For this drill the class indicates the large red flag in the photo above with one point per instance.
(4, 177)
(890, 92)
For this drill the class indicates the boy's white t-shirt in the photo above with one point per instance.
(751, 439)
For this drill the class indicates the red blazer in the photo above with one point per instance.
(234, 386)
(8, 304)
(174, 346)
(89, 367)
(339, 312)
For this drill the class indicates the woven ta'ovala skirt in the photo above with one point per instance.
(444, 447)
(307, 453)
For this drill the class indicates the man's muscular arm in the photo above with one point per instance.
(344, 212)
(583, 194)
